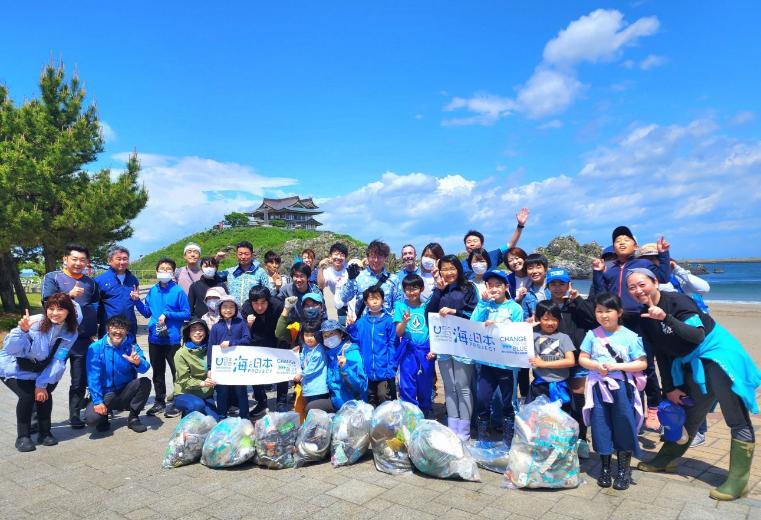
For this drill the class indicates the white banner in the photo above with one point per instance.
(508, 344)
(246, 365)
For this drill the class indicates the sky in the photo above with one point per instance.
(416, 121)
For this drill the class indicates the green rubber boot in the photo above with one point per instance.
(666, 458)
(736, 485)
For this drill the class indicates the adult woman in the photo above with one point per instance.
(454, 295)
(518, 278)
(479, 262)
(682, 337)
(32, 362)
(193, 388)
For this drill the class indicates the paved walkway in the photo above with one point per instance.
(119, 475)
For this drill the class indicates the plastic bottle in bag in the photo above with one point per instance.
(313, 441)
(391, 428)
(275, 439)
(351, 433)
(186, 444)
(435, 450)
(229, 443)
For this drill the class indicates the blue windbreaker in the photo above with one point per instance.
(376, 336)
(115, 299)
(107, 368)
(349, 382)
(170, 301)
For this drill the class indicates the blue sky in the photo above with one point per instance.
(417, 121)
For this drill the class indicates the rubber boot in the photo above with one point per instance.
(483, 430)
(736, 485)
(623, 475)
(508, 430)
(454, 425)
(666, 458)
(604, 479)
(464, 431)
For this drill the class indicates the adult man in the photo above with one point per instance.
(374, 274)
(247, 274)
(192, 271)
(82, 289)
(474, 240)
(409, 265)
(113, 363)
(117, 285)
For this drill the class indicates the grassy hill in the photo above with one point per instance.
(287, 243)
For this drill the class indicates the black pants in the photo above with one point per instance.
(537, 389)
(378, 392)
(631, 321)
(24, 390)
(132, 397)
(161, 356)
(78, 373)
(320, 402)
(523, 381)
(489, 379)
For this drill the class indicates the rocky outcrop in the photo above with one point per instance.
(566, 252)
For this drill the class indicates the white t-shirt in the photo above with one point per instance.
(335, 280)
(430, 284)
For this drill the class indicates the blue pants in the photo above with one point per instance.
(614, 425)
(225, 394)
(489, 379)
(187, 403)
(416, 376)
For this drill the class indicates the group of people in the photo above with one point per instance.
(362, 333)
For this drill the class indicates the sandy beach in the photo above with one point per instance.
(742, 320)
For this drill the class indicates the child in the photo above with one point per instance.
(229, 331)
(313, 372)
(577, 316)
(553, 356)
(212, 305)
(198, 289)
(498, 308)
(536, 269)
(167, 307)
(376, 335)
(613, 354)
(193, 388)
(346, 377)
(479, 262)
(415, 359)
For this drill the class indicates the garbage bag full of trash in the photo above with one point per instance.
(313, 442)
(435, 450)
(229, 443)
(275, 439)
(187, 440)
(351, 433)
(492, 456)
(390, 430)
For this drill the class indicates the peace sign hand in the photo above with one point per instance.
(25, 323)
(572, 293)
(662, 245)
(135, 293)
(133, 358)
(653, 311)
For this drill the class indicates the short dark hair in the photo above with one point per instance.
(483, 253)
(271, 256)
(535, 259)
(166, 260)
(473, 233)
(246, 244)
(301, 267)
(311, 326)
(609, 301)
(339, 247)
(118, 321)
(545, 306)
(413, 280)
(79, 248)
(378, 247)
(409, 245)
(258, 292)
(209, 260)
(373, 290)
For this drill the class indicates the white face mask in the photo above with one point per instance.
(427, 262)
(478, 267)
(332, 341)
(209, 272)
(213, 305)
(164, 277)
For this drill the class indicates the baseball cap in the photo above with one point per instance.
(496, 273)
(623, 230)
(557, 274)
(312, 296)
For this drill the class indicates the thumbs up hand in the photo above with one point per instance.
(77, 291)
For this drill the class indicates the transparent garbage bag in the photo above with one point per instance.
(229, 443)
(435, 450)
(313, 441)
(390, 430)
(275, 439)
(492, 456)
(351, 433)
(187, 440)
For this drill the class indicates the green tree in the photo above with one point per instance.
(47, 198)
(236, 219)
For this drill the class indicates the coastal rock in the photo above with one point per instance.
(566, 252)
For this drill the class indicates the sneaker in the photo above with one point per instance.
(136, 425)
(24, 444)
(234, 411)
(582, 448)
(258, 410)
(699, 440)
(171, 411)
(76, 423)
(103, 426)
(156, 409)
(651, 421)
(47, 439)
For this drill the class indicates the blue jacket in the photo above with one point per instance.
(170, 301)
(463, 302)
(314, 371)
(349, 382)
(376, 336)
(237, 334)
(107, 368)
(613, 279)
(36, 345)
(530, 300)
(115, 299)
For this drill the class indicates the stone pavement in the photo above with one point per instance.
(119, 475)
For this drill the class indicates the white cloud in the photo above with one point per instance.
(652, 61)
(681, 180)
(599, 36)
(108, 133)
(742, 117)
(190, 194)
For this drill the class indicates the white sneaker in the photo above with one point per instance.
(699, 440)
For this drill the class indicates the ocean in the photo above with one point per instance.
(739, 283)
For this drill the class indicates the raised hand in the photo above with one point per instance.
(250, 319)
(406, 316)
(522, 216)
(572, 293)
(653, 311)
(277, 280)
(353, 271)
(135, 293)
(351, 316)
(290, 302)
(133, 358)
(77, 291)
(598, 264)
(324, 263)
(662, 245)
(25, 323)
